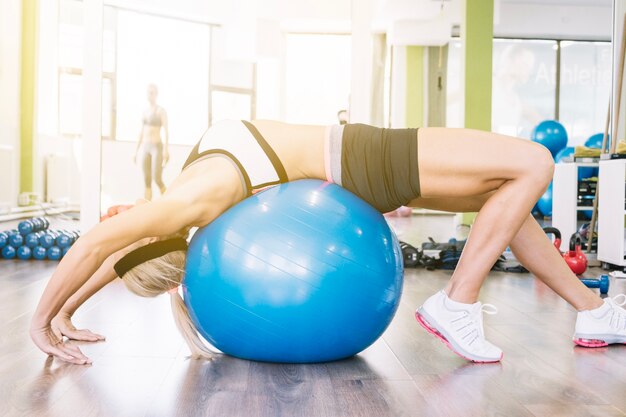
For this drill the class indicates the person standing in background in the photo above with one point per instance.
(154, 151)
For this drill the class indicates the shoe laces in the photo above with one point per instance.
(470, 323)
(617, 318)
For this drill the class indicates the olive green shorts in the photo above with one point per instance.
(379, 165)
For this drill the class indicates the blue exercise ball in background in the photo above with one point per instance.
(583, 172)
(550, 134)
(545, 202)
(302, 272)
(595, 141)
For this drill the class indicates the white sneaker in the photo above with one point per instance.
(459, 326)
(602, 326)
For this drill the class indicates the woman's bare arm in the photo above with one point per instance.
(159, 218)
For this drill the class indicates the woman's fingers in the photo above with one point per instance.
(84, 335)
(67, 354)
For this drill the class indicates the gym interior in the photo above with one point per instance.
(82, 81)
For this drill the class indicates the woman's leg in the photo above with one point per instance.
(147, 173)
(157, 168)
(465, 163)
(532, 248)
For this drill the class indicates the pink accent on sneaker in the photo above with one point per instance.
(430, 329)
(591, 343)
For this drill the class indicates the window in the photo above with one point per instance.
(524, 85)
(317, 77)
(585, 88)
(171, 53)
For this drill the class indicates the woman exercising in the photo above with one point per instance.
(458, 170)
(154, 153)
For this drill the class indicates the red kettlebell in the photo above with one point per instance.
(557, 236)
(575, 257)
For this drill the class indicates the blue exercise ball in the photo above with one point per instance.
(595, 141)
(583, 172)
(302, 272)
(550, 134)
(545, 202)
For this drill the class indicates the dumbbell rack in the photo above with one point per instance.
(611, 212)
(565, 206)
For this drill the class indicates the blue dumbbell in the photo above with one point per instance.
(16, 240)
(32, 239)
(4, 239)
(602, 283)
(47, 239)
(54, 253)
(8, 252)
(66, 250)
(39, 253)
(24, 253)
(64, 239)
(35, 224)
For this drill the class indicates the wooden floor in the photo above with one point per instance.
(142, 369)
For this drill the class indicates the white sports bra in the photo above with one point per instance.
(240, 142)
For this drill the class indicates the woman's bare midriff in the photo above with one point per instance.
(299, 147)
(151, 134)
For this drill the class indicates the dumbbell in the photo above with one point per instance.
(54, 253)
(8, 252)
(32, 239)
(24, 253)
(48, 238)
(4, 239)
(66, 238)
(602, 283)
(16, 240)
(35, 224)
(39, 253)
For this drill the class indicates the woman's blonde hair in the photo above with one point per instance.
(161, 275)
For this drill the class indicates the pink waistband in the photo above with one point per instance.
(327, 154)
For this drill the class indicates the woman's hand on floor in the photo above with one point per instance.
(46, 340)
(62, 326)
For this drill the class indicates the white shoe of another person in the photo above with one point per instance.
(459, 326)
(602, 326)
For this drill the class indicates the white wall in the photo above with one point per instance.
(553, 21)
(10, 35)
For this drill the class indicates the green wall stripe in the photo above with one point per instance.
(27, 93)
(477, 32)
(414, 86)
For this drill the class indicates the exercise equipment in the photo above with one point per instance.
(550, 134)
(40, 253)
(601, 283)
(545, 202)
(24, 253)
(595, 141)
(16, 240)
(33, 240)
(301, 272)
(411, 255)
(8, 252)
(574, 257)
(35, 224)
(54, 253)
(583, 172)
(47, 239)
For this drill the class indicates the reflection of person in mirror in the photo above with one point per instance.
(510, 112)
(153, 151)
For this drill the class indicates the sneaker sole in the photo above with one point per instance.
(432, 330)
(596, 343)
